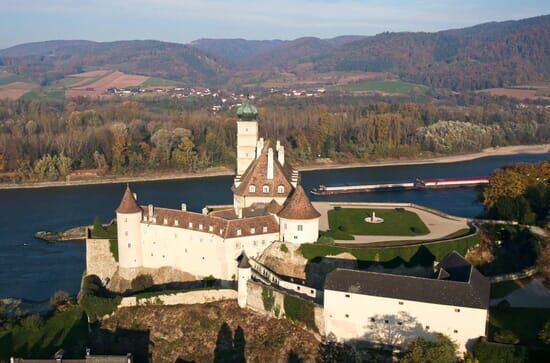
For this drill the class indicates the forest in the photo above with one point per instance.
(46, 140)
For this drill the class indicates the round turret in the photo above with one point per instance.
(299, 220)
(128, 216)
(244, 272)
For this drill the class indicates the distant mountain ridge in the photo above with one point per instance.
(487, 55)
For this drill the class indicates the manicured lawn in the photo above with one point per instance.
(504, 288)
(423, 254)
(67, 329)
(525, 323)
(397, 222)
(387, 86)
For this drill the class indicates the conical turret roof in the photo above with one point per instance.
(128, 203)
(298, 206)
(243, 262)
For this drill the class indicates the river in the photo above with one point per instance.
(33, 269)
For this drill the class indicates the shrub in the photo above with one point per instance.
(268, 298)
(95, 299)
(284, 248)
(326, 240)
(113, 247)
(544, 334)
(300, 310)
(142, 282)
(505, 336)
(443, 350)
(59, 298)
(499, 353)
(209, 281)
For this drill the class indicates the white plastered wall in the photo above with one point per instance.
(247, 138)
(289, 230)
(129, 240)
(350, 317)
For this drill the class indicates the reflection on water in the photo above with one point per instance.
(34, 269)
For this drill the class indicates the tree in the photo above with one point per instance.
(59, 298)
(421, 350)
(184, 156)
(544, 334)
(142, 282)
(543, 263)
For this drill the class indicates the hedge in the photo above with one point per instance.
(300, 310)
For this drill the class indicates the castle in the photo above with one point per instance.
(269, 205)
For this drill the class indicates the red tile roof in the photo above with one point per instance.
(128, 203)
(256, 174)
(298, 206)
(215, 225)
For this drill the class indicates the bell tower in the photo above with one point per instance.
(247, 136)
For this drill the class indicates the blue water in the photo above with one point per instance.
(34, 269)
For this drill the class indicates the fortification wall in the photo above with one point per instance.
(99, 259)
(182, 298)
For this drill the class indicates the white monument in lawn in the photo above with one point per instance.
(374, 219)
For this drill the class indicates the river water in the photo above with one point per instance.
(33, 269)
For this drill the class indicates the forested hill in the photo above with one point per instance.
(483, 56)
(46, 61)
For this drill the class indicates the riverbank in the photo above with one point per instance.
(226, 171)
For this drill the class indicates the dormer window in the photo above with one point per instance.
(280, 189)
(239, 231)
(200, 226)
(252, 230)
(264, 229)
(210, 228)
(265, 189)
(176, 222)
(190, 224)
(252, 189)
(165, 220)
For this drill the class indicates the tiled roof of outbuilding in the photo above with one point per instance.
(472, 291)
(298, 206)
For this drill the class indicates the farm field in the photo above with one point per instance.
(14, 90)
(518, 93)
(96, 83)
(384, 86)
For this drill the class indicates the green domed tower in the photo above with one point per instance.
(247, 112)
(247, 136)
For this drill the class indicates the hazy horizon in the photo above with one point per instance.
(185, 21)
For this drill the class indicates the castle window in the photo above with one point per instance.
(200, 226)
(165, 220)
(252, 230)
(221, 230)
(455, 331)
(347, 295)
(252, 189)
(265, 189)
(154, 219)
(175, 235)
(125, 219)
(386, 321)
(372, 320)
(347, 315)
(239, 231)
(399, 323)
(264, 229)
(427, 327)
(176, 222)
(280, 189)
(457, 310)
(300, 228)
(298, 288)
(210, 228)
(129, 245)
(400, 303)
(126, 233)
(190, 224)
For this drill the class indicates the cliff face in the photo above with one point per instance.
(218, 331)
(291, 263)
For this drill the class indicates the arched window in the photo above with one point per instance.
(280, 189)
(266, 189)
(252, 189)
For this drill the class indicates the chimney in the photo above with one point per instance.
(151, 211)
(270, 163)
(205, 211)
(135, 196)
(184, 207)
(278, 146)
(259, 147)
(240, 213)
(281, 155)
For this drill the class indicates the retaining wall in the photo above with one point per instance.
(182, 298)
(99, 259)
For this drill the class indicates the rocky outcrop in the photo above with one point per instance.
(71, 234)
(122, 279)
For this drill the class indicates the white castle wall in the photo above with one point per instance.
(348, 316)
(289, 230)
(198, 253)
(247, 201)
(247, 138)
(129, 240)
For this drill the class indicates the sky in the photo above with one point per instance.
(183, 21)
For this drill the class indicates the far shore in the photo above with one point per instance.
(226, 171)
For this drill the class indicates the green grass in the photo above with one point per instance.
(397, 222)
(504, 288)
(109, 231)
(160, 82)
(423, 254)
(46, 94)
(458, 234)
(387, 86)
(67, 329)
(6, 78)
(525, 323)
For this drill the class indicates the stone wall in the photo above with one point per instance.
(255, 302)
(99, 259)
(183, 298)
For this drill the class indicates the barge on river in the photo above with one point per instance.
(417, 184)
